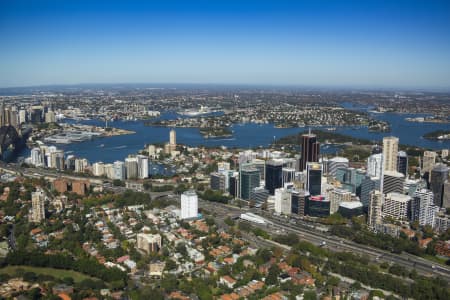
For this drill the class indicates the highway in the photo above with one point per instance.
(334, 243)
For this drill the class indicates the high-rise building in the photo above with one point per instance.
(249, 179)
(423, 208)
(22, 116)
(428, 161)
(446, 195)
(375, 206)
(283, 201)
(274, 175)
(336, 163)
(173, 137)
(259, 195)
(393, 182)
(37, 158)
(233, 189)
(131, 167)
(299, 199)
(317, 206)
(336, 197)
(189, 205)
(81, 164)
(218, 181)
(119, 170)
(50, 117)
(367, 186)
(288, 176)
(390, 150)
(314, 178)
(375, 165)
(439, 175)
(397, 206)
(57, 159)
(310, 150)
(37, 206)
(98, 169)
(142, 161)
(402, 162)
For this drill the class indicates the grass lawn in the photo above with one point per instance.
(57, 273)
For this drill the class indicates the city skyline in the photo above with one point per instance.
(375, 44)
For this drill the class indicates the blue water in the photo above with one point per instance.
(245, 136)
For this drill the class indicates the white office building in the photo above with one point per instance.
(375, 165)
(189, 205)
(142, 166)
(283, 201)
(396, 206)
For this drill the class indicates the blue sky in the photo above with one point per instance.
(361, 43)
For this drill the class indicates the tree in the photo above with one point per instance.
(310, 295)
(272, 276)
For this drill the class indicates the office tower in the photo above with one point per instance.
(249, 179)
(310, 150)
(423, 208)
(367, 186)
(397, 206)
(336, 197)
(70, 162)
(314, 178)
(317, 206)
(288, 176)
(36, 157)
(22, 116)
(131, 167)
(439, 175)
(81, 164)
(402, 162)
(233, 189)
(57, 159)
(375, 205)
(173, 137)
(119, 170)
(274, 177)
(283, 201)
(336, 163)
(428, 161)
(189, 205)
(375, 165)
(152, 151)
(109, 171)
(98, 169)
(393, 182)
(299, 199)
(14, 117)
(390, 150)
(218, 181)
(50, 117)
(148, 242)
(444, 153)
(37, 206)
(260, 165)
(36, 114)
(446, 195)
(259, 196)
(142, 161)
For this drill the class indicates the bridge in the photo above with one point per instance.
(9, 139)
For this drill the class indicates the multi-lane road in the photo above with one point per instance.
(276, 226)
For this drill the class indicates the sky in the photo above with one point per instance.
(360, 43)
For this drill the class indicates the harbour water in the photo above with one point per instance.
(247, 135)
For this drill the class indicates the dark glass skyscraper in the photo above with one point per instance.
(314, 178)
(249, 180)
(310, 150)
(439, 175)
(402, 162)
(274, 176)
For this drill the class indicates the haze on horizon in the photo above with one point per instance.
(309, 43)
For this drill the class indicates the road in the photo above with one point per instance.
(334, 243)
